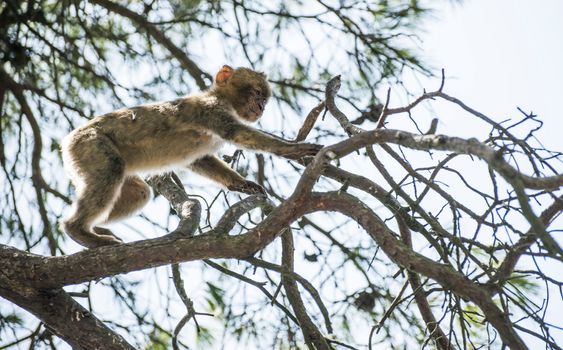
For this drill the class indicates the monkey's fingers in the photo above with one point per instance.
(303, 150)
(248, 187)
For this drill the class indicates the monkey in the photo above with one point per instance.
(105, 156)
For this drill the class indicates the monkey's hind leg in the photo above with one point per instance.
(134, 195)
(101, 179)
(88, 207)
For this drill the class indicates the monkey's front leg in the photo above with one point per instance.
(217, 170)
(248, 137)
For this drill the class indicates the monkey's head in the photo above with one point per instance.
(248, 91)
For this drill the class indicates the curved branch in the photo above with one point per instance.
(64, 317)
(311, 332)
(406, 258)
(36, 177)
(455, 144)
(189, 210)
(229, 219)
(105, 261)
(91, 264)
(302, 280)
(515, 252)
(404, 221)
(332, 88)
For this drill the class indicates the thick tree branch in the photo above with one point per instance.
(455, 144)
(405, 257)
(311, 332)
(86, 265)
(91, 264)
(64, 317)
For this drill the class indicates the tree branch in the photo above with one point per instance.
(406, 258)
(64, 317)
(515, 252)
(311, 332)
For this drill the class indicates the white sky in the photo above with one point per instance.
(499, 55)
(502, 54)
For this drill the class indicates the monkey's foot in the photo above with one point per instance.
(248, 187)
(87, 238)
(105, 232)
(92, 240)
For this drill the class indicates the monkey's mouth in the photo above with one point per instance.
(255, 113)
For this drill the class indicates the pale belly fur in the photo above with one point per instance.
(170, 154)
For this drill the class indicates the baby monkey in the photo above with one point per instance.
(104, 156)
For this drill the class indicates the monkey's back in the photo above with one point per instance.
(148, 137)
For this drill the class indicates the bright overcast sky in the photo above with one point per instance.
(499, 55)
(503, 54)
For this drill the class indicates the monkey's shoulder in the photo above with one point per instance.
(204, 104)
(205, 110)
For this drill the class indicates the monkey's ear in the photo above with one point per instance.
(224, 74)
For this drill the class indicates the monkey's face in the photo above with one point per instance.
(255, 103)
(247, 90)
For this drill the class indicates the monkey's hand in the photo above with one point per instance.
(300, 150)
(248, 187)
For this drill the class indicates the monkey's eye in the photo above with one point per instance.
(257, 92)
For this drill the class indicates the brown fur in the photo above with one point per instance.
(103, 156)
